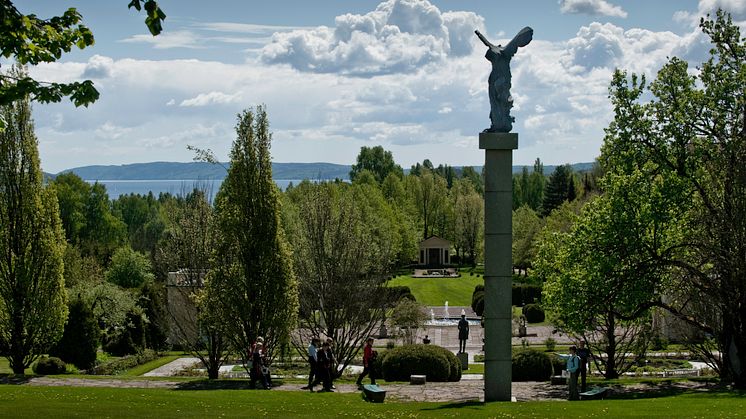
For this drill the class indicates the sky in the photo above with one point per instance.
(338, 75)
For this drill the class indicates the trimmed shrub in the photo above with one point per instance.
(50, 366)
(523, 294)
(531, 365)
(477, 302)
(395, 294)
(80, 338)
(123, 364)
(534, 313)
(438, 364)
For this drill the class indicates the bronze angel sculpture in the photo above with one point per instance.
(499, 80)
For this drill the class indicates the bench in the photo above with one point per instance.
(594, 393)
(417, 379)
(373, 393)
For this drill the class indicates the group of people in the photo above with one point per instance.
(577, 365)
(321, 361)
(259, 370)
(322, 364)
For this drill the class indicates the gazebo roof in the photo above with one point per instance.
(435, 242)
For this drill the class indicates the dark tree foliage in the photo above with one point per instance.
(80, 338)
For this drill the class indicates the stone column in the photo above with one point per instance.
(498, 213)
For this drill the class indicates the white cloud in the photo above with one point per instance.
(168, 40)
(109, 131)
(435, 109)
(399, 36)
(592, 7)
(736, 8)
(204, 99)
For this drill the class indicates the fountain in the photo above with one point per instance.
(432, 315)
(446, 315)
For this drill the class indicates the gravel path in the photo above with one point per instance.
(173, 367)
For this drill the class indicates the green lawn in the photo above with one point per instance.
(5, 367)
(436, 291)
(27, 401)
(475, 368)
(150, 366)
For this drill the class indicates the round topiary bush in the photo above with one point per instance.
(50, 366)
(531, 365)
(534, 313)
(438, 364)
(477, 302)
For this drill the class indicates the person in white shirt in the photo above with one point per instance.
(312, 361)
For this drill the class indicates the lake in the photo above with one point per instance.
(115, 188)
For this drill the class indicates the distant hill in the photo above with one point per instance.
(206, 171)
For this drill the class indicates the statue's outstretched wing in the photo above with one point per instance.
(522, 39)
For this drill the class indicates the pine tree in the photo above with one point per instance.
(253, 278)
(32, 244)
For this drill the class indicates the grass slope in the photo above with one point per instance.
(27, 401)
(436, 291)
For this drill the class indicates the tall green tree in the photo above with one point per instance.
(687, 140)
(31, 40)
(429, 193)
(187, 248)
(593, 288)
(253, 277)
(129, 268)
(560, 188)
(32, 289)
(343, 250)
(379, 161)
(526, 227)
(468, 209)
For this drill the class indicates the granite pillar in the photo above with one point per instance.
(498, 212)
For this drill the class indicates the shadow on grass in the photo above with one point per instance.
(223, 384)
(456, 405)
(658, 389)
(14, 379)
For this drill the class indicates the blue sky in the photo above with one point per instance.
(337, 75)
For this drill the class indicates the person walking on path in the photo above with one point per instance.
(323, 374)
(585, 355)
(463, 333)
(369, 356)
(573, 365)
(312, 362)
(333, 368)
(260, 370)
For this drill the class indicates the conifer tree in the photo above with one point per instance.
(253, 278)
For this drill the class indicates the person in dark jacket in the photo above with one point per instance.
(323, 373)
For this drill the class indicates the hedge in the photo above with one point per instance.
(49, 366)
(534, 313)
(438, 364)
(531, 365)
(123, 364)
